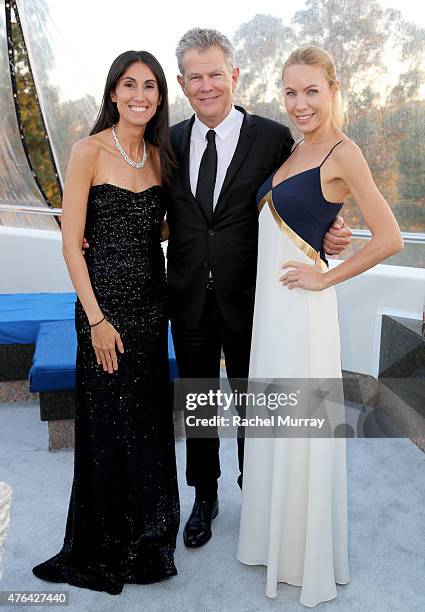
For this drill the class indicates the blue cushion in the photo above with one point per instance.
(172, 363)
(22, 313)
(53, 364)
(55, 353)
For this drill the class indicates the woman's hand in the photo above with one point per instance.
(304, 276)
(104, 338)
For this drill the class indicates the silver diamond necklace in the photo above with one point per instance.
(128, 159)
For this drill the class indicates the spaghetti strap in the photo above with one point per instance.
(296, 145)
(335, 145)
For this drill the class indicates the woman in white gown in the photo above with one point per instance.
(294, 498)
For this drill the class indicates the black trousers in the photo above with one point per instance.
(198, 353)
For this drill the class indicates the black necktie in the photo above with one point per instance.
(207, 175)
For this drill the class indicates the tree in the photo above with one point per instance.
(411, 159)
(261, 45)
(361, 36)
(353, 31)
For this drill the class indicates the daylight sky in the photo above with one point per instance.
(89, 34)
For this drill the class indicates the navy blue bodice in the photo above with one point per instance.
(300, 203)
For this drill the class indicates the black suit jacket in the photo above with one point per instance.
(226, 244)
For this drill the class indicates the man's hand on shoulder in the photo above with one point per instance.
(337, 238)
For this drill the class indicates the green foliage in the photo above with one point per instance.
(32, 123)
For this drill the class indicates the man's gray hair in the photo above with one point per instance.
(203, 39)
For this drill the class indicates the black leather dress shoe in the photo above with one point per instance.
(197, 531)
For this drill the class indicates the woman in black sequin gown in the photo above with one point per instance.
(124, 511)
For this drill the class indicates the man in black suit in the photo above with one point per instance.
(224, 155)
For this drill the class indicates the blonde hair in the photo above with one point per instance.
(312, 55)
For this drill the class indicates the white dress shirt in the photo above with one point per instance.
(227, 136)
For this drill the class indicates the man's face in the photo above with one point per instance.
(208, 83)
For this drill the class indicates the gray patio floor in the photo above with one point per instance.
(386, 522)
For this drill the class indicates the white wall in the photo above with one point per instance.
(392, 290)
(31, 261)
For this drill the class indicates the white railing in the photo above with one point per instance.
(21, 208)
(408, 237)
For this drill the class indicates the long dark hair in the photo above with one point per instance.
(157, 130)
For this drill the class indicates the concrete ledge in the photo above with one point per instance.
(401, 400)
(359, 388)
(16, 391)
(401, 389)
(61, 434)
(403, 414)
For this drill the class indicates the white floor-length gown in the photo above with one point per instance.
(294, 498)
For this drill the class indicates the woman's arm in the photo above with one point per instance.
(386, 238)
(74, 209)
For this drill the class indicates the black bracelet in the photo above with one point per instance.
(98, 323)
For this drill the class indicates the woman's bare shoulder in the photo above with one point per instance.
(90, 146)
(349, 162)
(346, 150)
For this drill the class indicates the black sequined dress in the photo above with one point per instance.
(124, 511)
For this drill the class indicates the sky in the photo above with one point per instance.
(89, 34)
